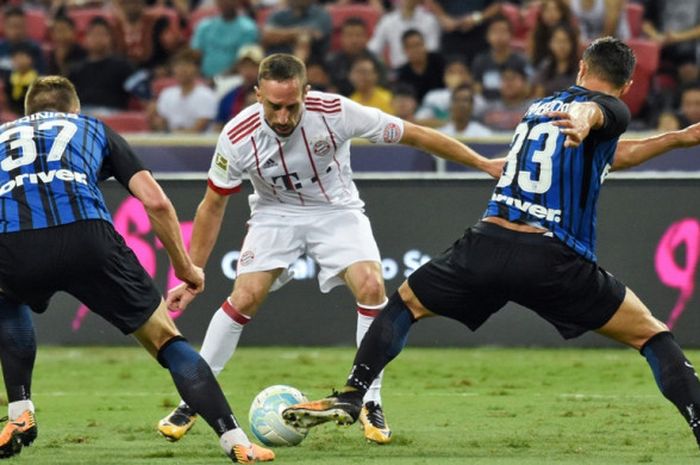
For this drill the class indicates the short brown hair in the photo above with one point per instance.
(51, 93)
(282, 67)
(186, 55)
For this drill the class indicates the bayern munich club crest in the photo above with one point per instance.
(392, 133)
(321, 147)
(246, 258)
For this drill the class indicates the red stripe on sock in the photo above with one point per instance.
(367, 312)
(235, 315)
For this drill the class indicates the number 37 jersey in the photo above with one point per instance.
(548, 185)
(50, 164)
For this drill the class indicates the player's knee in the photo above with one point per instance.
(370, 290)
(411, 301)
(247, 299)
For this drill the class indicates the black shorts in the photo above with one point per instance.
(490, 266)
(87, 259)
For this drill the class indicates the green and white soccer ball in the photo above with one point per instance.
(265, 416)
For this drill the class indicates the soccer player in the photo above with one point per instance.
(535, 244)
(295, 146)
(56, 234)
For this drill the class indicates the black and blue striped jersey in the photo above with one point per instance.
(50, 165)
(545, 184)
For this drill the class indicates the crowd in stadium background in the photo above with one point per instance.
(467, 67)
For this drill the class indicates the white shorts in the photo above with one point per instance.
(334, 240)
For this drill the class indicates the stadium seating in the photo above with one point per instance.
(127, 121)
(635, 17)
(647, 53)
(340, 13)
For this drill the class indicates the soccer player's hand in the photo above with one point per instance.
(495, 167)
(690, 135)
(574, 128)
(179, 297)
(194, 278)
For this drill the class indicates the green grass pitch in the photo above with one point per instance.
(488, 406)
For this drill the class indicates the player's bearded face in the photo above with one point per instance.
(282, 103)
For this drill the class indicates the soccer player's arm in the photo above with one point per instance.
(379, 127)
(122, 163)
(631, 153)
(604, 115)
(222, 181)
(432, 141)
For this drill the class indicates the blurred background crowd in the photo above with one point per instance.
(467, 67)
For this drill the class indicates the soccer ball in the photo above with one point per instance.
(265, 416)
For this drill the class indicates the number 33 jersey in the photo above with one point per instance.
(547, 185)
(307, 171)
(50, 164)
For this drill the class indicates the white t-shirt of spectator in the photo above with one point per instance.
(391, 27)
(183, 111)
(473, 129)
(308, 171)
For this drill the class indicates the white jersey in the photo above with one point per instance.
(307, 171)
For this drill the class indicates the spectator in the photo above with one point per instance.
(100, 77)
(674, 24)
(410, 14)
(188, 106)
(65, 49)
(462, 23)
(353, 44)
(403, 102)
(365, 79)
(487, 65)
(558, 71)
(15, 35)
(301, 24)
(461, 124)
(552, 12)
(246, 68)
(22, 76)
(435, 108)
(424, 69)
(505, 113)
(600, 18)
(219, 38)
(135, 31)
(688, 113)
(317, 76)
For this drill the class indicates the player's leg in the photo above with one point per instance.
(271, 244)
(197, 385)
(383, 341)
(226, 326)
(221, 340)
(365, 281)
(634, 325)
(17, 354)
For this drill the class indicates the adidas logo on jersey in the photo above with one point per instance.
(270, 163)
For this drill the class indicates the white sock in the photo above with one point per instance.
(222, 337)
(232, 437)
(15, 409)
(364, 321)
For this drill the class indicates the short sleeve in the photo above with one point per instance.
(120, 161)
(207, 104)
(370, 123)
(617, 116)
(224, 175)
